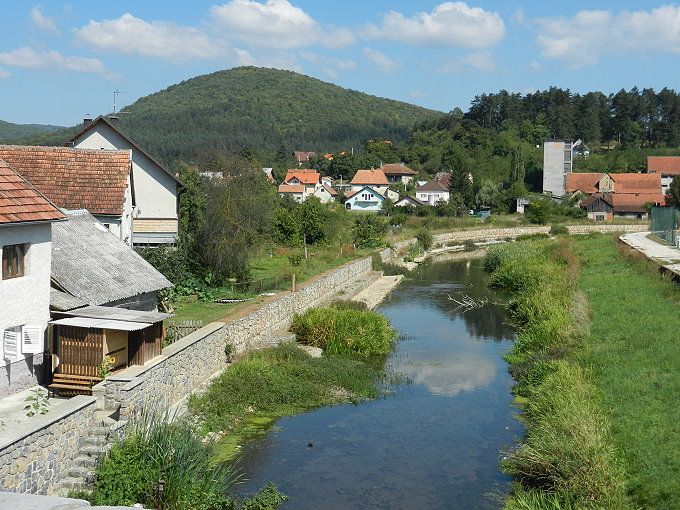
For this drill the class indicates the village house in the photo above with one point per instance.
(434, 190)
(154, 188)
(666, 166)
(375, 179)
(304, 183)
(609, 195)
(365, 199)
(302, 157)
(26, 217)
(396, 172)
(409, 202)
(97, 180)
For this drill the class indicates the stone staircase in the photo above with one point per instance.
(81, 474)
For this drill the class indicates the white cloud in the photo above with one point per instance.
(535, 65)
(29, 58)
(381, 61)
(134, 36)
(4, 73)
(582, 40)
(280, 60)
(449, 24)
(43, 22)
(481, 60)
(330, 66)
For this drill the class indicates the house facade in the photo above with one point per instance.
(365, 199)
(665, 166)
(25, 245)
(396, 172)
(433, 191)
(154, 188)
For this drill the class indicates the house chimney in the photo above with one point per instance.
(87, 121)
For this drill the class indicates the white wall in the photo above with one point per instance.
(25, 300)
(155, 190)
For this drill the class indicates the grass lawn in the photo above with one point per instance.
(634, 354)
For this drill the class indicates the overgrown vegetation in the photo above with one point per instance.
(166, 466)
(568, 458)
(344, 331)
(281, 381)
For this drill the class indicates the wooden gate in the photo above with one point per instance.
(145, 344)
(80, 350)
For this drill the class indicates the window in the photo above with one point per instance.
(13, 260)
(366, 196)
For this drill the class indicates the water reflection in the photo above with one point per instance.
(436, 443)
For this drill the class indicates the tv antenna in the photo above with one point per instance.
(115, 95)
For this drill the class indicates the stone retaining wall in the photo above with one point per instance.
(36, 459)
(185, 365)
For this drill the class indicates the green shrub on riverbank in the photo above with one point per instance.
(166, 466)
(339, 331)
(567, 458)
(281, 381)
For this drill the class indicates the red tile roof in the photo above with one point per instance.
(291, 188)
(302, 156)
(90, 179)
(635, 201)
(330, 190)
(305, 176)
(636, 183)
(20, 202)
(370, 178)
(585, 182)
(397, 169)
(669, 165)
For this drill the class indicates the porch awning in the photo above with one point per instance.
(86, 322)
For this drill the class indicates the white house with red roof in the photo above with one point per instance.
(304, 183)
(26, 250)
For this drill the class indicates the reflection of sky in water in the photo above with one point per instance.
(436, 442)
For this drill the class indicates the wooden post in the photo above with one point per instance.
(293, 286)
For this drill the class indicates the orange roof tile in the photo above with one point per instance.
(20, 202)
(90, 179)
(330, 190)
(397, 169)
(669, 165)
(305, 176)
(370, 178)
(291, 188)
(636, 183)
(585, 182)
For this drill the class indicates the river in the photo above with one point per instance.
(434, 444)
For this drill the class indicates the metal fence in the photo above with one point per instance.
(277, 282)
(665, 222)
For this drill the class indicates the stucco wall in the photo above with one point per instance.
(38, 457)
(25, 301)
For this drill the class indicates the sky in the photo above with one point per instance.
(62, 61)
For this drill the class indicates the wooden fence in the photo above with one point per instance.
(176, 329)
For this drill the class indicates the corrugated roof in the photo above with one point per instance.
(91, 263)
(585, 182)
(90, 179)
(83, 322)
(370, 178)
(21, 202)
(119, 314)
(397, 169)
(63, 302)
(669, 165)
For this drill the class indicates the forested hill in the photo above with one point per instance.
(9, 131)
(261, 109)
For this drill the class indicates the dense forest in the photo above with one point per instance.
(9, 131)
(261, 109)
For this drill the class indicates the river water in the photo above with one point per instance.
(436, 443)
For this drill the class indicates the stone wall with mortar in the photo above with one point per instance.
(36, 456)
(185, 365)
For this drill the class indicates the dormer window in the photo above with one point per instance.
(13, 260)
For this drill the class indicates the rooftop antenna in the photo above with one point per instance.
(115, 94)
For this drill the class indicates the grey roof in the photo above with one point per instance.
(119, 314)
(62, 301)
(92, 264)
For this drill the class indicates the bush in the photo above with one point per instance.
(556, 230)
(344, 331)
(424, 237)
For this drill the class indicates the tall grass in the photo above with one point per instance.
(281, 381)
(567, 459)
(342, 331)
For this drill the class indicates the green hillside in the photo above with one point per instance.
(262, 109)
(9, 131)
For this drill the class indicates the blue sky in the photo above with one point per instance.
(61, 61)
